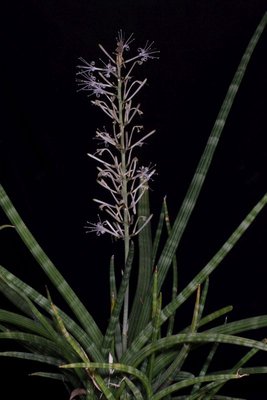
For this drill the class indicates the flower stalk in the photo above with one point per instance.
(118, 166)
(126, 221)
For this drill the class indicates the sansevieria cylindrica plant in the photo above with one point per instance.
(143, 353)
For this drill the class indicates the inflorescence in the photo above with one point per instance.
(114, 89)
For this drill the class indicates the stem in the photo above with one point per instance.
(125, 204)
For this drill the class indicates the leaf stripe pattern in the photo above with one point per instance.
(49, 268)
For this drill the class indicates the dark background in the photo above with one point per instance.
(47, 129)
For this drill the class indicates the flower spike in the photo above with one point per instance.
(119, 173)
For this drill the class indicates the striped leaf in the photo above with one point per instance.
(164, 359)
(243, 325)
(19, 321)
(166, 377)
(51, 271)
(50, 375)
(95, 377)
(40, 358)
(117, 367)
(194, 338)
(156, 308)
(215, 315)
(116, 340)
(206, 158)
(33, 357)
(114, 319)
(237, 367)
(134, 389)
(158, 234)
(174, 270)
(112, 283)
(205, 366)
(139, 316)
(199, 278)
(30, 339)
(70, 342)
(49, 331)
(205, 390)
(174, 368)
(189, 382)
(203, 299)
(200, 174)
(253, 370)
(41, 301)
(64, 378)
(13, 297)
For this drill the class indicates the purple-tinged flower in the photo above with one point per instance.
(144, 53)
(88, 82)
(88, 67)
(147, 52)
(145, 173)
(109, 70)
(96, 227)
(123, 44)
(101, 228)
(105, 138)
(119, 172)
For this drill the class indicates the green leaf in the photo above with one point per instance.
(194, 338)
(134, 389)
(205, 366)
(215, 315)
(116, 367)
(166, 377)
(237, 367)
(189, 382)
(33, 357)
(51, 271)
(206, 158)
(139, 316)
(31, 339)
(22, 322)
(112, 283)
(174, 368)
(14, 297)
(199, 177)
(50, 375)
(114, 319)
(203, 299)
(243, 325)
(158, 234)
(49, 331)
(253, 370)
(164, 359)
(199, 278)
(174, 271)
(156, 308)
(41, 301)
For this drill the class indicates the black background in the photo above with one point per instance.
(47, 129)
